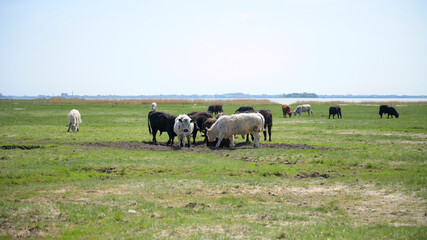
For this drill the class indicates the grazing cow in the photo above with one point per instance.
(303, 108)
(286, 109)
(199, 118)
(244, 109)
(183, 128)
(208, 124)
(237, 124)
(163, 122)
(74, 119)
(385, 109)
(268, 124)
(153, 106)
(215, 108)
(335, 110)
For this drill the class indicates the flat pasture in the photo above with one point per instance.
(359, 177)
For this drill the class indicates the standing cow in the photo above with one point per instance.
(286, 109)
(163, 122)
(215, 108)
(237, 124)
(74, 119)
(385, 109)
(268, 123)
(303, 108)
(183, 128)
(199, 118)
(335, 111)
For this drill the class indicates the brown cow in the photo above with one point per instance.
(286, 109)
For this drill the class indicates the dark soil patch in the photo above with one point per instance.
(199, 147)
(312, 175)
(22, 147)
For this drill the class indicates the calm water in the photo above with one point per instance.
(349, 100)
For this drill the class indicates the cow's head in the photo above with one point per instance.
(74, 127)
(186, 122)
(211, 135)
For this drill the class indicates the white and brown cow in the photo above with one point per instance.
(237, 124)
(183, 128)
(303, 108)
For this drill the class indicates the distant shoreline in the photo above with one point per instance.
(216, 96)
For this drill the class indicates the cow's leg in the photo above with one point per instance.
(329, 116)
(194, 137)
(69, 126)
(257, 138)
(220, 137)
(247, 137)
(154, 135)
(231, 141)
(269, 132)
(189, 140)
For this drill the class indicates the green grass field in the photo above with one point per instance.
(360, 177)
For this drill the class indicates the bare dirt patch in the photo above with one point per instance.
(199, 147)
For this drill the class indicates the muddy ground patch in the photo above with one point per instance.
(198, 147)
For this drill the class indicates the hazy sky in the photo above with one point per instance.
(208, 47)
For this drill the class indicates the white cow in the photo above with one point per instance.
(183, 128)
(154, 106)
(303, 108)
(74, 119)
(237, 124)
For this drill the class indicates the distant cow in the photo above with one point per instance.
(244, 109)
(335, 110)
(237, 124)
(183, 128)
(215, 108)
(153, 106)
(268, 123)
(199, 118)
(303, 108)
(208, 124)
(74, 119)
(385, 109)
(163, 122)
(286, 109)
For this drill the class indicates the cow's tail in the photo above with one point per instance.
(149, 127)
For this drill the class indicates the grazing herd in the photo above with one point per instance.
(221, 130)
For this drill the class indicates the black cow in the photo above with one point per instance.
(385, 109)
(199, 118)
(215, 108)
(243, 109)
(163, 122)
(335, 110)
(268, 124)
(225, 141)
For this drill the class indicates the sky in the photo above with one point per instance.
(147, 47)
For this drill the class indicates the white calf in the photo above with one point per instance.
(303, 108)
(183, 128)
(238, 124)
(154, 106)
(74, 119)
